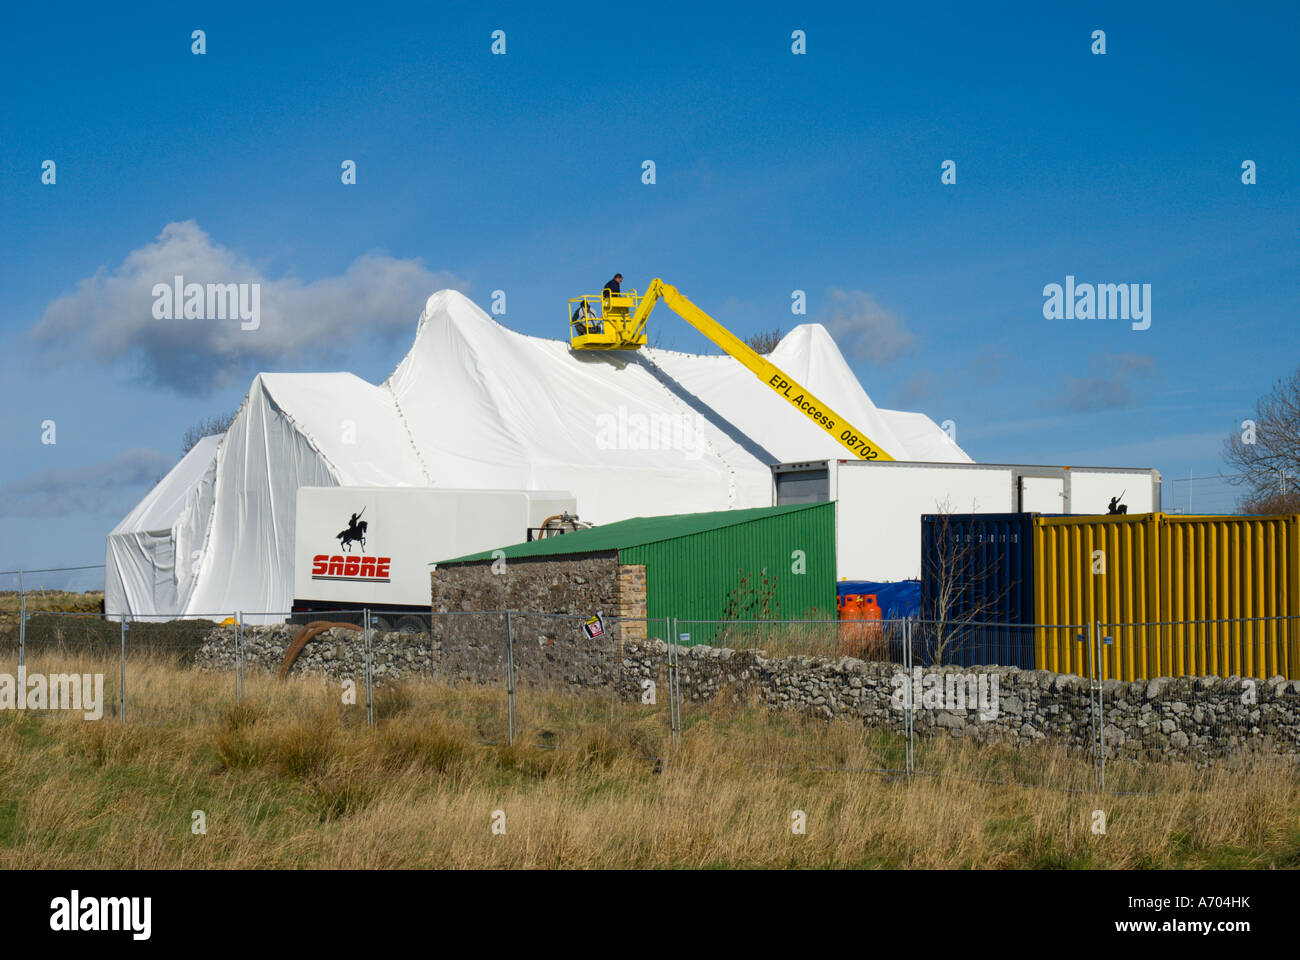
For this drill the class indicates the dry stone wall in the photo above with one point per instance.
(1195, 718)
(1200, 719)
(549, 648)
(336, 654)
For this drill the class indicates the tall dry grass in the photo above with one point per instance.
(295, 778)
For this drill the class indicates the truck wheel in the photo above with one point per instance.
(411, 625)
(381, 624)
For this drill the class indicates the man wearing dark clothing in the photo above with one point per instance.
(584, 313)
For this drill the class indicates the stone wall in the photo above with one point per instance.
(549, 648)
(1195, 718)
(577, 585)
(1192, 718)
(335, 654)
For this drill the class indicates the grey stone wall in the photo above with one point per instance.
(1195, 718)
(549, 648)
(336, 654)
(578, 585)
(1199, 719)
(549, 652)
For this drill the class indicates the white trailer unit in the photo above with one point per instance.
(878, 514)
(371, 547)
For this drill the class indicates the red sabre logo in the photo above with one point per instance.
(365, 569)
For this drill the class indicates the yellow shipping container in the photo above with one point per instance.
(1172, 592)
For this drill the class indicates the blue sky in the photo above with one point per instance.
(522, 172)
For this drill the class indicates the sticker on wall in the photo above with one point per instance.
(594, 627)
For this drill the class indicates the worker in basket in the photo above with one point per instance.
(594, 324)
(584, 312)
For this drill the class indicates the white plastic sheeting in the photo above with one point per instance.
(922, 439)
(477, 406)
(150, 559)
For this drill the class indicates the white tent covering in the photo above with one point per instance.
(474, 405)
(149, 562)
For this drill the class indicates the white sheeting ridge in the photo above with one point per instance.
(474, 405)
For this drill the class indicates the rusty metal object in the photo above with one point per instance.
(305, 636)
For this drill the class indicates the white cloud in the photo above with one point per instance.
(865, 330)
(1196, 448)
(91, 489)
(1111, 388)
(109, 316)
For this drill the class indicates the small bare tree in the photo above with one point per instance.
(1266, 451)
(957, 600)
(749, 601)
(755, 601)
(206, 428)
(764, 341)
(659, 342)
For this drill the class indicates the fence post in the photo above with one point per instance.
(121, 693)
(675, 686)
(510, 677)
(370, 698)
(674, 690)
(22, 622)
(1101, 710)
(668, 679)
(909, 725)
(671, 624)
(1095, 727)
(239, 657)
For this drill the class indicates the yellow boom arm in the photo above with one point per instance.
(803, 400)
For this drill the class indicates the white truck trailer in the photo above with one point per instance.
(878, 514)
(371, 547)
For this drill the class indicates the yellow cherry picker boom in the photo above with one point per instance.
(620, 325)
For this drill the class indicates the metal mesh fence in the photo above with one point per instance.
(65, 662)
(980, 709)
(1072, 706)
(471, 652)
(1195, 692)
(797, 674)
(131, 662)
(571, 689)
(1259, 647)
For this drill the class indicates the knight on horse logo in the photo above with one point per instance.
(355, 533)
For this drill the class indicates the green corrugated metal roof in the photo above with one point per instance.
(635, 532)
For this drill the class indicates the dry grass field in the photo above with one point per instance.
(46, 600)
(295, 778)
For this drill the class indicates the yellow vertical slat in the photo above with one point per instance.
(1133, 663)
(1174, 558)
(1293, 597)
(1268, 595)
(1246, 561)
(1202, 571)
(1220, 564)
(1255, 598)
(1229, 631)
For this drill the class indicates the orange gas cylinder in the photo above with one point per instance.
(854, 635)
(871, 611)
(850, 606)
